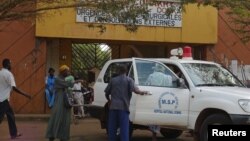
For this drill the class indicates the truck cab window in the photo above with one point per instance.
(112, 70)
(155, 74)
(178, 72)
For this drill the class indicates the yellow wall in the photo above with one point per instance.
(199, 25)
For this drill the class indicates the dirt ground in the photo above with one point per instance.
(87, 129)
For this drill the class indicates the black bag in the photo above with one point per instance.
(68, 100)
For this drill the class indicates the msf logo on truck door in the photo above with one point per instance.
(167, 104)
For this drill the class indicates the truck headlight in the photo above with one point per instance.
(245, 105)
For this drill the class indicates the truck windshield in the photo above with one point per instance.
(210, 75)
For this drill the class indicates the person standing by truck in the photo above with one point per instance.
(120, 88)
(160, 79)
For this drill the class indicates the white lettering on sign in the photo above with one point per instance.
(216, 132)
(157, 15)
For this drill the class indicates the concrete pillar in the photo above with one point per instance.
(65, 53)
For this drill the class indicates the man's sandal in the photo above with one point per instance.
(16, 136)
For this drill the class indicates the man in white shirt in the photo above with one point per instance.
(78, 96)
(7, 83)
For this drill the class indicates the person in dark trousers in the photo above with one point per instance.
(7, 84)
(120, 88)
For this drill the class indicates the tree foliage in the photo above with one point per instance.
(124, 10)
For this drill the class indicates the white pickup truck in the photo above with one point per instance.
(204, 93)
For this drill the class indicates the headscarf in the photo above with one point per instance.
(63, 68)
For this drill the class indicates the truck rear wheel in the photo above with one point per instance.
(170, 133)
(215, 119)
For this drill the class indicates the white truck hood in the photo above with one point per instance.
(239, 91)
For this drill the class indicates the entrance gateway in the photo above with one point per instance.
(64, 33)
(86, 59)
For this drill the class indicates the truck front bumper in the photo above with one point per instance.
(240, 119)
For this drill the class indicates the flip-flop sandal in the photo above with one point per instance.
(16, 136)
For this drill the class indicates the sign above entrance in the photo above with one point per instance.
(157, 15)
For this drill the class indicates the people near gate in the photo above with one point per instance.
(49, 87)
(120, 90)
(88, 95)
(70, 78)
(60, 119)
(7, 84)
(78, 97)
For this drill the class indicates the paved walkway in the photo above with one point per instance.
(28, 117)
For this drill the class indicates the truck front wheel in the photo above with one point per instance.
(170, 133)
(215, 119)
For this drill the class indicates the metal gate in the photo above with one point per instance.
(86, 57)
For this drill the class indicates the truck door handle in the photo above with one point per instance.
(192, 96)
(148, 93)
